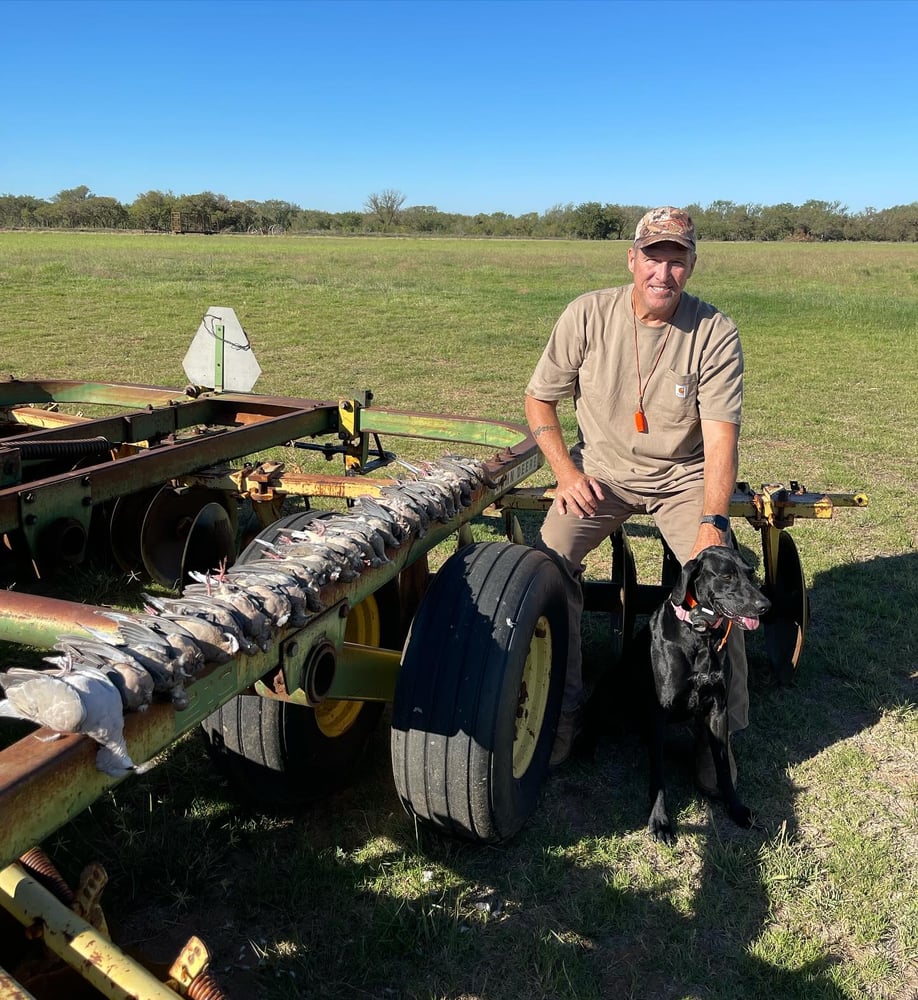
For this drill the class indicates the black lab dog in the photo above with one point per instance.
(691, 667)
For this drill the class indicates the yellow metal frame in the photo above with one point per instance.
(83, 947)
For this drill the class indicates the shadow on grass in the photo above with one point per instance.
(858, 662)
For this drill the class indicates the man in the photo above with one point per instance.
(656, 376)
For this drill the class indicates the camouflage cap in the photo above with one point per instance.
(665, 225)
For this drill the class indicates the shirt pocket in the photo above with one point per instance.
(679, 398)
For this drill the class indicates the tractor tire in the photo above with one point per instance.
(278, 754)
(479, 692)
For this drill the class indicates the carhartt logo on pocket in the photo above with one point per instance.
(681, 390)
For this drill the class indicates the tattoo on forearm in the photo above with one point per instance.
(545, 427)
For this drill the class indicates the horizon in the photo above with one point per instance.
(364, 210)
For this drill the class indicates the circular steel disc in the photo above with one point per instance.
(211, 543)
(167, 527)
(125, 527)
(786, 623)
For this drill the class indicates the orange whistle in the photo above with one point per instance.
(640, 421)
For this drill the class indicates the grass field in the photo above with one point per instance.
(345, 900)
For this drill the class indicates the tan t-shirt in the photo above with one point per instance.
(590, 356)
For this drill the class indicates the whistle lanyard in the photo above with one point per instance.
(640, 418)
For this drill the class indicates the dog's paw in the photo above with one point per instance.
(658, 825)
(662, 830)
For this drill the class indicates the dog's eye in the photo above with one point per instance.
(726, 576)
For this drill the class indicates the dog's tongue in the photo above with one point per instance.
(749, 624)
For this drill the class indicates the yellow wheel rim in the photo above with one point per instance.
(533, 698)
(335, 718)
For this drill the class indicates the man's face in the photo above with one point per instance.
(660, 273)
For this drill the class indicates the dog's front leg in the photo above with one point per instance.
(659, 825)
(717, 739)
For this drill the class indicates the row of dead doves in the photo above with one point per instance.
(99, 676)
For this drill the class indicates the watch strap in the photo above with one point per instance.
(718, 520)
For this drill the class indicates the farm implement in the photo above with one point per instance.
(280, 612)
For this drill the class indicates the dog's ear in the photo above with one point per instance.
(684, 582)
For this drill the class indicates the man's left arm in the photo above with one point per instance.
(721, 465)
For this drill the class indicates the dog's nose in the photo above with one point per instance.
(762, 604)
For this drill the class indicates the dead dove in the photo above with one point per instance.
(134, 682)
(282, 594)
(217, 614)
(368, 541)
(146, 635)
(435, 498)
(305, 575)
(217, 645)
(476, 469)
(280, 597)
(78, 699)
(369, 507)
(341, 552)
(411, 515)
(459, 479)
(274, 603)
(380, 517)
(256, 624)
(170, 659)
(383, 527)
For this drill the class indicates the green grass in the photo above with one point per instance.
(345, 900)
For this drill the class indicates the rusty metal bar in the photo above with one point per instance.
(30, 416)
(435, 427)
(38, 621)
(15, 392)
(109, 480)
(11, 990)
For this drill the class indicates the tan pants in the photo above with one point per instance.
(568, 539)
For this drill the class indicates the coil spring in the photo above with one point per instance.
(42, 868)
(204, 987)
(35, 450)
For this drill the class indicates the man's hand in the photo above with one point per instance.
(708, 535)
(577, 494)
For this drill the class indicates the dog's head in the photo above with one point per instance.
(718, 579)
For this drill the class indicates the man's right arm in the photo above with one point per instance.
(576, 493)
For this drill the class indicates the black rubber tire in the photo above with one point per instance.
(278, 754)
(479, 692)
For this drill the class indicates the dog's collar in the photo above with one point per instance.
(703, 619)
(704, 616)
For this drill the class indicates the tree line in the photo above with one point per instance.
(386, 212)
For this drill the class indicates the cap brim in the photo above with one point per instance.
(664, 238)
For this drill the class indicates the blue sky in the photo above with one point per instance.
(471, 106)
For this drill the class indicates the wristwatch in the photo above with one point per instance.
(718, 520)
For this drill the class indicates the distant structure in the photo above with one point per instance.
(191, 222)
